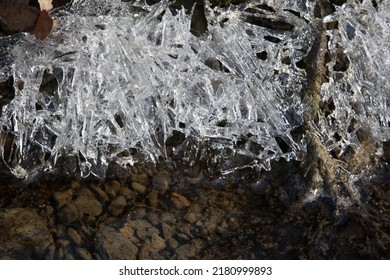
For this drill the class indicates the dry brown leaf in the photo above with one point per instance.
(44, 25)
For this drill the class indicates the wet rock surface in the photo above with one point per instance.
(190, 218)
(24, 235)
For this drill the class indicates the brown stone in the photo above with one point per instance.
(100, 194)
(140, 178)
(74, 236)
(179, 201)
(157, 242)
(88, 205)
(117, 206)
(24, 235)
(115, 245)
(161, 182)
(68, 214)
(138, 187)
(62, 198)
(112, 188)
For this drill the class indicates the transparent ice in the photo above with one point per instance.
(361, 93)
(117, 77)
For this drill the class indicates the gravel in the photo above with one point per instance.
(183, 219)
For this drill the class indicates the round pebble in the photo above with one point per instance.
(140, 178)
(112, 188)
(117, 206)
(68, 214)
(100, 194)
(62, 198)
(138, 187)
(158, 243)
(73, 234)
(161, 183)
(179, 201)
(153, 198)
(88, 205)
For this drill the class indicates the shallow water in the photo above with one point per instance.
(156, 214)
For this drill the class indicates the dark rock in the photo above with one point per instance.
(88, 204)
(115, 245)
(24, 235)
(112, 188)
(138, 187)
(140, 178)
(168, 231)
(161, 182)
(186, 251)
(62, 198)
(117, 206)
(68, 214)
(74, 236)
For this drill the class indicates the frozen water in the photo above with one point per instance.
(117, 79)
(359, 86)
(103, 84)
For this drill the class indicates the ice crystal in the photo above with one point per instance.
(358, 86)
(117, 77)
